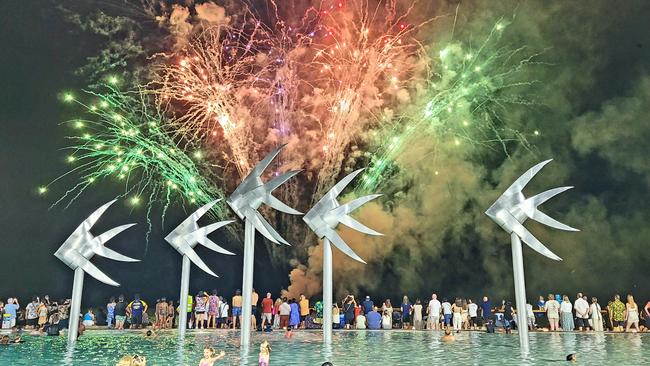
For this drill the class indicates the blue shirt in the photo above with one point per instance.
(88, 316)
(374, 320)
(11, 310)
(367, 306)
(486, 306)
(406, 309)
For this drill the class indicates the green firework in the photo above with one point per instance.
(121, 137)
(468, 89)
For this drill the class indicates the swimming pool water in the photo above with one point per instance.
(348, 348)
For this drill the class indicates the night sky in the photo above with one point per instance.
(40, 55)
(597, 88)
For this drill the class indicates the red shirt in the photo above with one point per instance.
(267, 305)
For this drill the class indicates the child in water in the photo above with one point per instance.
(209, 357)
(265, 354)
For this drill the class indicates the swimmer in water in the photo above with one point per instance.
(265, 354)
(209, 358)
(150, 333)
(288, 334)
(448, 337)
(572, 357)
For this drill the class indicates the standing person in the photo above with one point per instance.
(509, 316)
(161, 313)
(566, 314)
(456, 310)
(294, 316)
(191, 322)
(200, 307)
(596, 315)
(472, 310)
(367, 305)
(631, 314)
(223, 312)
(42, 314)
(433, 313)
(486, 310)
(236, 308)
(64, 313)
(407, 308)
(276, 313)
(285, 312)
(213, 309)
(464, 315)
(267, 310)
(348, 310)
(446, 312)
(171, 315)
(552, 308)
(417, 315)
(581, 306)
(617, 313)
(255, 298)
(31, 315)
(11, 308)
(530, 315)
(135, 309)
(110, 313)
(304, 309)
(646, 310)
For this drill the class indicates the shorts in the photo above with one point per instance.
(31, 322)
(406, 318)
(472, 321)
(136, 319)
(582, 323)
(120, 318)
(267, 316)
(253, 310)
(447, 319)
(618, 323)
(284, 321)
(8, 323)
(236, 311)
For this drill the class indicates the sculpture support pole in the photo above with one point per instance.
(327, 291)
(185, 290)
(247, 285)
(520, 292)
(75, 305)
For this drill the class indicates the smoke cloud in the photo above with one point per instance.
(593, 96)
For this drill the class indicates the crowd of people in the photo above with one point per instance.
(212, 311)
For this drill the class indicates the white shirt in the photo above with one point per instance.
(360, 322)
(565, 307)
(434, 307)
(582, 308)
(446, 308)
(595, 311)
(529, 311)
(472, 308)
(285, 308)
(386, 322)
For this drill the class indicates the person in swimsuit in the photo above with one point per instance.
(631, 314)
(161, 313)
(209, 358)
(236, 308)
(265, 354)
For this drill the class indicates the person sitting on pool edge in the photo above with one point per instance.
(209, 358)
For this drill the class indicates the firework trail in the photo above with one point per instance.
(468, 88)
(120, 137)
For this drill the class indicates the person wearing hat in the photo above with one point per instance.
(367, 305)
